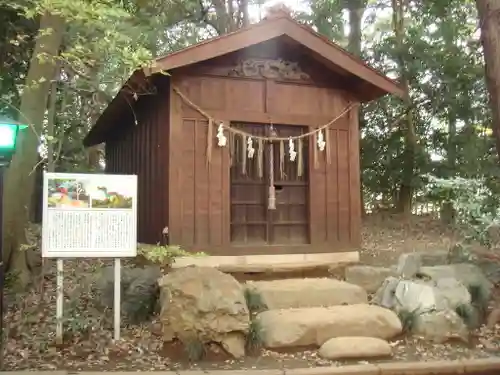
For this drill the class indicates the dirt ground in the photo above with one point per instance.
(31, 319)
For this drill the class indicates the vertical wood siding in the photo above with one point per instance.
(142, 149)
(200, 195)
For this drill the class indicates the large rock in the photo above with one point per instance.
(355, 347)
(204, 304)
(139, 291)
(421, 296)
(370, 278)
(313, 326)
(296, 293)
(408, 265)
(434, 257)
(439, 326)
(469, 274)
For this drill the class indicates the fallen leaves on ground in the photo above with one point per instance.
(88, 343)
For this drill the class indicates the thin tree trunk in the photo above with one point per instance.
(489, 12)
(410, 139)
(20, 179)
(356, 11)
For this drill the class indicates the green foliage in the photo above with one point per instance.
(480, 297)
(164, 254)
(407, 319)
(476, 206)
(469, 315)
(195, 350)
(254, 339)
(254, 300)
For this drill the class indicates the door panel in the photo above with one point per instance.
(251, 221)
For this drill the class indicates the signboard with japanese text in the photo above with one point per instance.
(89, 215)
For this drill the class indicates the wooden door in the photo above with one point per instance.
(252, 223)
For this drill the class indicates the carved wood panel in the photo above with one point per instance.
(265, 68)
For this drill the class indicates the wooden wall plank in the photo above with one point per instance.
(317, 197)
(201, 188)
(215, 197)
(175, 167)
(343, 186)
(354, 177)
(332, 190)
(188, 181)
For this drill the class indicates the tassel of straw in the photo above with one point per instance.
(300, 158)
(243, 155)
(328, 149)
(282, 159)
(209, 140)
(260, 158)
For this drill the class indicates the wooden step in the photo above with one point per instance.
(270, 263)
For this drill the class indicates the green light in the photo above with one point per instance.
(8, 136)
(9, 130)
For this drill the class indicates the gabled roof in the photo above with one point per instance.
(279, 25)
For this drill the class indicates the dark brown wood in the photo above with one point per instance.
(143, 150)
(200, 191)
(322, 49)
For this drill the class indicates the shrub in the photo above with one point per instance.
(254, 301)
(164, 254)
(254, 338)
(407, 319)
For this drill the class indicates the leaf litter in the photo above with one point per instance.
(88, 344)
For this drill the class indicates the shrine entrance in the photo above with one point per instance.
(269, 186)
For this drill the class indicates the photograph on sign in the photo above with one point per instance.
(89, 215)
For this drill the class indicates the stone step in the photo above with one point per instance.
(312, 292)
(313, 326)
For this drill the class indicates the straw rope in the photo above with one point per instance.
(259, 137)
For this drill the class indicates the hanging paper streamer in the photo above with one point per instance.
(321, 141)
(282, 160)
(291, 150)
(250, 148)
(222, 140)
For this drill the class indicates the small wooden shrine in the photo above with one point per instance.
(247, 143)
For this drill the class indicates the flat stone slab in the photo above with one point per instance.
(313, 326)
(313, 292)
(355, 347)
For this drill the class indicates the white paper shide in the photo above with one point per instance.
(89, 215)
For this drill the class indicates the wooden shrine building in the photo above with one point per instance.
(247, 143)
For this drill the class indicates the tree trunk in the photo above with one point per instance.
(489, 13)
(410, 139)
(356, 10)
(20, 178)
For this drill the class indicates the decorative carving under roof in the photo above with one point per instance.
(270, 69)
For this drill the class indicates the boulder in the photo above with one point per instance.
(469, 274)
(139, 291)
(315, 325)
(355, 347)
(421, 296)
(408, 265)
(370, 278)
(297, 293)
(204, 304)
(439, 326)
(434, 257)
